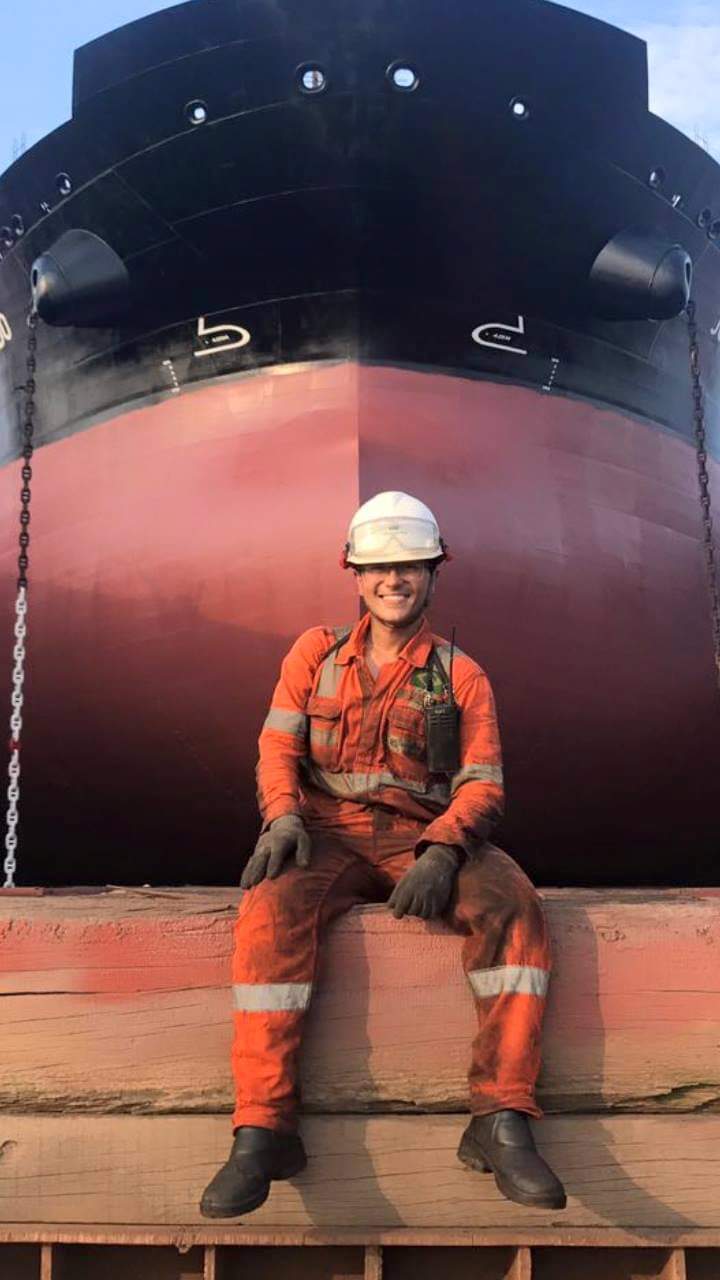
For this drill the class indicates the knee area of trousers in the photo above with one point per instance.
(526, 904)
(272, 903)
(509, 903)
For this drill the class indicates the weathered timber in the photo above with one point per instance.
(701, 1241)
(367, 1172)
(120, 1001)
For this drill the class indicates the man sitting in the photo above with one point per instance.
(379, 780)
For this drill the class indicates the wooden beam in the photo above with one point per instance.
(121, 1002)
(367, 1173)
(675, 1268)
(521, 1265)
(704, 1240)
(373, 1262)
(46, 1262)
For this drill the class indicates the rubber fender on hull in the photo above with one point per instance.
(640, 275)
(80, 281)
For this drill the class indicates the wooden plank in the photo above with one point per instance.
(120, 1002)
(373, 1262)
(675, 1267)
(703, 1241)
(376, 1172)
(521, 1266)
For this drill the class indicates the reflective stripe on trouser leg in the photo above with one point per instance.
(506, 956)
(276, 944)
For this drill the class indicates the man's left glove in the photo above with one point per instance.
(425, 889)
(284, 837)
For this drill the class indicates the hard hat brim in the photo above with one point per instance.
(404, 557)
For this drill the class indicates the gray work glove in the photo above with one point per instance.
(284, 837)
(425, 889)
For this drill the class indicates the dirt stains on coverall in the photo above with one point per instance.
(348, 753)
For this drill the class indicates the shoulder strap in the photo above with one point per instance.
(341, 634)
(435, 661)
(327, 684)
(439, 655)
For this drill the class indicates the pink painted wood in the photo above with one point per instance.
(121, 1002)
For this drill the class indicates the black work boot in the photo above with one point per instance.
(258, 1157)
(502, 1143)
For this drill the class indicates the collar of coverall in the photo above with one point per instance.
(416, 651)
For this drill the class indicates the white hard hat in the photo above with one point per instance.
(392, 528)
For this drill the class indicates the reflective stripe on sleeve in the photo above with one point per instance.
(271, 997)
(477, 773)
(519, 979)
(294, 722)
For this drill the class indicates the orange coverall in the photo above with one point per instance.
(347, 752)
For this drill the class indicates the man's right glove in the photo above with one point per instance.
(284, 837)
(425, 889)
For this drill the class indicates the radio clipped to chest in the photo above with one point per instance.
(442, 719)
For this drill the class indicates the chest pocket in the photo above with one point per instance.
(324, 717)
(405, 741)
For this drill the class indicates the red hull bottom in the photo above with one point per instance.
(177, 550)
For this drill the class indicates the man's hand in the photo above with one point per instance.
(284, 837)
(425, 889)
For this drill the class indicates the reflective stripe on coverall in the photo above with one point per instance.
(348, 753)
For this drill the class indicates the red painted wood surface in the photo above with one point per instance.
(121, 1001)
(178, 550)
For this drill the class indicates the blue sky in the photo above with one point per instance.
(37, 39)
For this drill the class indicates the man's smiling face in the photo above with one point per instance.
(396, 594)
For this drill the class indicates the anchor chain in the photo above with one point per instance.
(704, 483)
(18, 675)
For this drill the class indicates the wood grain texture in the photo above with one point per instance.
(373, 1262)
(704, 1241)
(521, 1265)
(120, 1002)
(675, 1268)
(368, 1172)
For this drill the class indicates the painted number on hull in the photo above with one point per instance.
(715, 331)
(220, 337)
(5, 332)
(500, 336)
